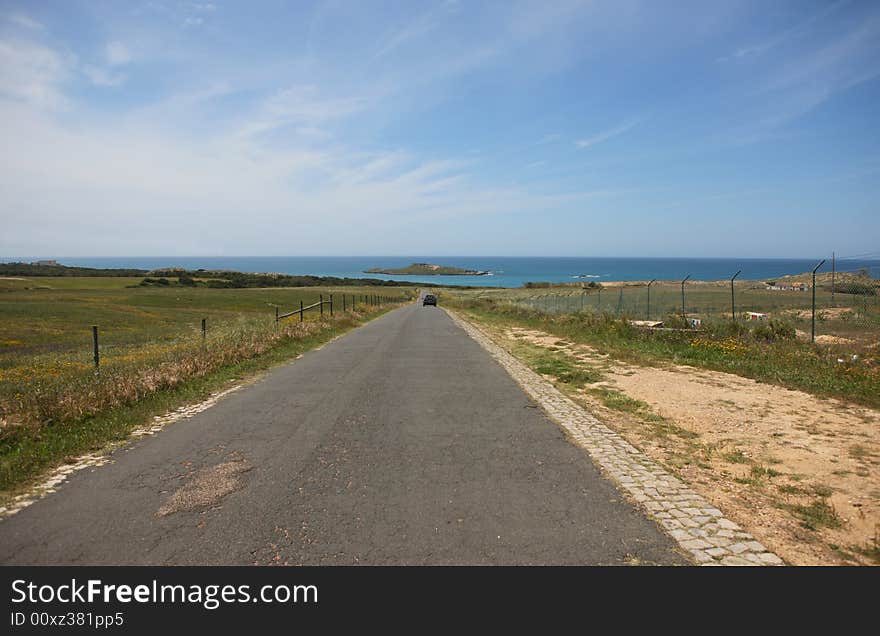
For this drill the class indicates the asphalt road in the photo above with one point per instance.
(401, 443)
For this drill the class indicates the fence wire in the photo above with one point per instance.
(849, 312)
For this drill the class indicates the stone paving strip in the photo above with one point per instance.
(59, 475)
(698, 527)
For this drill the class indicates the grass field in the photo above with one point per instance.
(54, 315)
(852, 317)
(54, 404)
(763, 351)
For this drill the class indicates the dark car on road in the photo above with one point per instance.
(429, 299)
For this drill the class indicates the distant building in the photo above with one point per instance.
(45, 263)
(754, 315)
(789, 286)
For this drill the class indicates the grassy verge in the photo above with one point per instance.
(50, 418)
(766, 353)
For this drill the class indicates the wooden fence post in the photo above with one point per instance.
(300, 311)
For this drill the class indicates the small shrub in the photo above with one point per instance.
(773, 330)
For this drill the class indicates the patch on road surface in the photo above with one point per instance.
(206, 487)
(59, 475)
(697, 526)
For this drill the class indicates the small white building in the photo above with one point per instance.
(754, 315)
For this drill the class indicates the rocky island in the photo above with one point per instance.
(429, 269)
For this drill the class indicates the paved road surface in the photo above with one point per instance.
(400, 443)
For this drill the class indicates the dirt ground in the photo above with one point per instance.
(833, 313)
(800, 473)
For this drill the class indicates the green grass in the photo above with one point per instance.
(789, 489)
(815, 515)
(871, 551)
(763, 472)
(859, 452)
(720, 346)
(59, 319)
(735, 457)
(859, 321)
(564, 371)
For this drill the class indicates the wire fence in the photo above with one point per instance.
(325, 304)
(846, 310)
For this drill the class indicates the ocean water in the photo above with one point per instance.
(506, 271)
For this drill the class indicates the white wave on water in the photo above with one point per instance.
(588, 275)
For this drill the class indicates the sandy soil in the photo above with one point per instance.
(819, 450)
(832, 313)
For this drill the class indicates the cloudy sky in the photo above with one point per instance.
(553, 127)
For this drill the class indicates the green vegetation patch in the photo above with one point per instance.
(818, 514)
(564, 371)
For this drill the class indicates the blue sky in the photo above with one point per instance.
(620, 128)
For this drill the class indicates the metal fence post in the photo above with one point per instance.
(331, 305)
(683, 311)
(321, 297)
(654, 280)
(276, 314)
(733, 297)
(813, 326)
(833, 276)
(205, 328)
(95, 343)
(343, 303)
(300, 311)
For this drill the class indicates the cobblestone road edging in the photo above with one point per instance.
(698, 527)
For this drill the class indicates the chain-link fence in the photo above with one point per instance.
(850, 310)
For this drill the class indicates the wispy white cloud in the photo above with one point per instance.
(607, 134)
(137, 166)
(106, 73)
(784, 37)
(799, 83)
(100, 76)
(26, 21)
(33, 73)
(302, 106)
(416, 29)
(117, 54)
